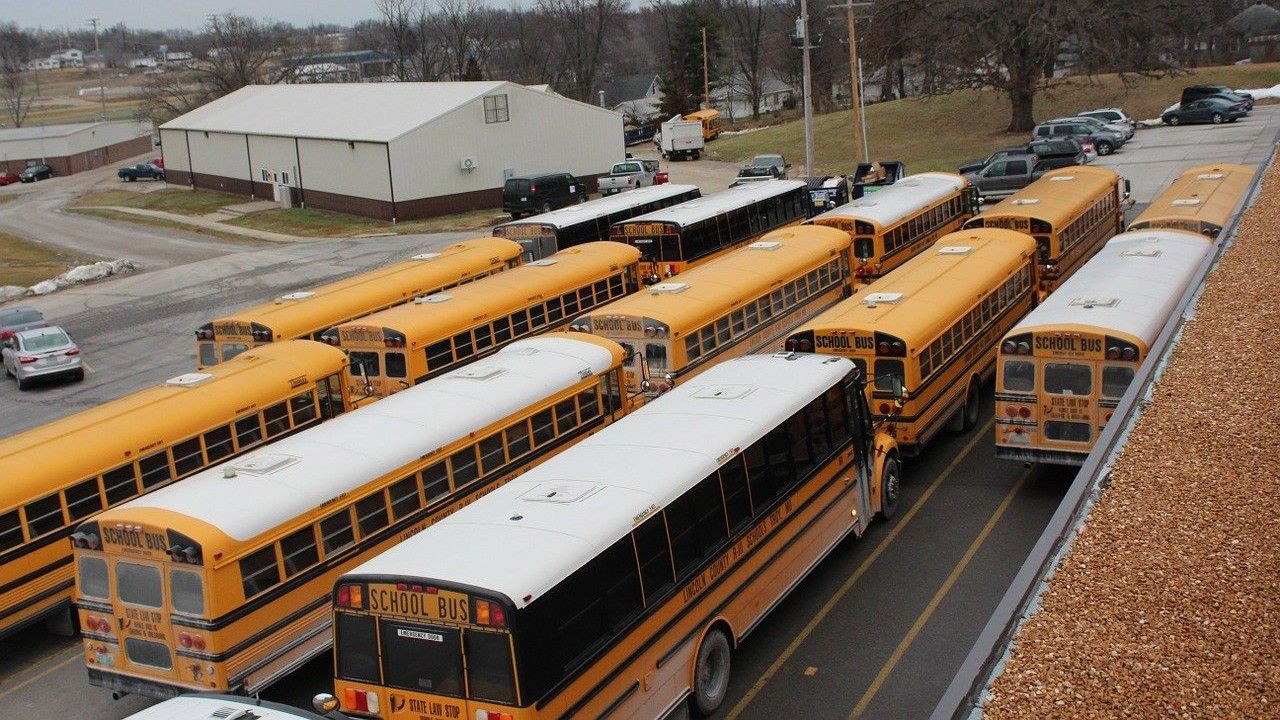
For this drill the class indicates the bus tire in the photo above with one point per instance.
(890, 487)
(711, 673)
(972, 404)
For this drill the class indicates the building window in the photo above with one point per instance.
(495, 109)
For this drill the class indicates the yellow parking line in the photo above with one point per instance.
(853, 579)
(919, 624)
(14, 688)
(87, 367)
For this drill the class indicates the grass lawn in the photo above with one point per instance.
(944, 132)
(160, 222)
(25, 263)
(307, 222)
(181, 202)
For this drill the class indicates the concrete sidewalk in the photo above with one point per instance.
(212, 221)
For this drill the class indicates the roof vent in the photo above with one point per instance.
(545, 262)
(1025, 201)
(296, 296)
(668, 288)
(189, 380)
(863, 202)
(560, 491)
(907, 183)
(1092, 302)
(480, 372)
(724, 392)
(264, 464)
(1184, 202)
(876, 298)
(765, 245)
(1062, 178)
(1210, 176)
(955, 250)
(1141, 252)
(433, 299)
(426, 256)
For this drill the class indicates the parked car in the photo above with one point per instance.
(19, 318)
(40, 353)
(661, 177)
(141, 170)
(1006, 176)
(8, 177)
(870, 177)
(1123, 129)
(158, 162)
(1111, 115)
(1105, 141)
(774, 166)
(532, 194)
(626, 175)
(997, 155)
(34, 173)
(1192, 93)
(1054, 153)
(1204, 110)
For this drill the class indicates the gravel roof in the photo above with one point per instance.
(1168, 603)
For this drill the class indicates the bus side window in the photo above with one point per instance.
(83, 499)
(121, 483)
(655, 557)
(299, 551)
(259, 571)
(277, 417)
(435, 481)
(10, 530)
(336, 532)
(248, 431)
(217, 443)
(737, 499)
(303, 408)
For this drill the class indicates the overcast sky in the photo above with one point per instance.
(165, 14)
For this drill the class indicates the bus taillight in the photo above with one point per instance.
(490, 613)
(351, 596)
(492, 715)
(205, 332)
(191, 642)
(360, 700)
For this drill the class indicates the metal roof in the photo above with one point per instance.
(35, 132)
(1145, 272)
(603, 206)
(709, 206)
(893, 203)
(516, 542)
(369, 112)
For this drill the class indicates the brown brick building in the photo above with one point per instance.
(70, 149)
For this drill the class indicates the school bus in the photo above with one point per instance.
(615, 579)
(1201, 200)
(308, 313)
(693, 232)
(62, 472)
(927, 332)
(1063, 369)
(400, 347)
(734, 305)
(710, 120)
(543, 235)
(221, 582)
(1071, 212)
(891, 226)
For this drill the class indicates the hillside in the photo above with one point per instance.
(944, 132)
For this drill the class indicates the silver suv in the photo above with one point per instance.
(1112, 116)
(42, 352)
(1106, 141)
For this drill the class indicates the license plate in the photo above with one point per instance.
(524, 199)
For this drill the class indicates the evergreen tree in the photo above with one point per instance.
(682, 86)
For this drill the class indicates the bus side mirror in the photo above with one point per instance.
(324, 703)
(899, 391)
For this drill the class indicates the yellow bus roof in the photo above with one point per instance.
(700, 114)
(497, 295)
(320, 308)
(1207, 193)
(701, 294)
(79, 446)
(936, 287)
(1058, 196)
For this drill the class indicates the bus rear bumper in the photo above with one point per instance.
(126, 685)
(1046, 457)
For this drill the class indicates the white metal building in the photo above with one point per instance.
(73, 148)
(387, 150)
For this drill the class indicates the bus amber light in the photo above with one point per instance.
(490, 613)
(361, 700)
(351, 596)
(492, 715)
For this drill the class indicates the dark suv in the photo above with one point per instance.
(1053, 153)
(1104, 140)
(1191, 93)
(35, 172)
(533, 194)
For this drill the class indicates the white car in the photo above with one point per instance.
(41, 352)
(223, 707)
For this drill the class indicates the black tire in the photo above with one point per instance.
(972, 404)
(582, 198)
(133, 178)
(23, 384)
(1173, 120)
(515, 216)
(697, 155)
(711, 673)
(1104, 147)
(546, 207)
(1233, 119)
(890, 487)
(1216, 118)
(78, 375)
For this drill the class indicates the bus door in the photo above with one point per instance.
(232, 337)
(537, 241)
(627, 331)
(365, 348)
(141, 605)
(1068, 375)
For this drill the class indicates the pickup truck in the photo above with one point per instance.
(870, 177)
(1006, 176)
(141, 170)
(628, 175)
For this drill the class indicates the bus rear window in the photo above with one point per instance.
(139, 585)
(364, 364)
(490, 675)
(886, 371)
(1115, 380)
(356, 642)
(1068, 379)
(422, 658)
(1019, 375)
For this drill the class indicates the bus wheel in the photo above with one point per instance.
(890, 487)
(711, 674)
(972, 401)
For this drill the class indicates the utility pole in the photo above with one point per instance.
(808, 94)
(706, 75)
(855, 86)
(102, 63)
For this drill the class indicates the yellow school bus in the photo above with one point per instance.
(734, 305)
(893, 224)
(221, 581)
(1201, 200)
(710, 120)
(58, 474)
(308, 313)
(397, 348)
(931, 328)
(616, 579)
(1071, 212)
(677, 238)
(1063, 369)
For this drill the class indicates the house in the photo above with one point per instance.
(180, 56)
(732, 97)
(367, 64)
(1255, 32)
(392, 151)
(73, 148)
(140, 61)
(323, 73)
(636, 97)
(60, 59)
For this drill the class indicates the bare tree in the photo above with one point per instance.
(15, 50)
(581, 27)
(523, 56)
(400, 33)
(466, 31)
(745, 26)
